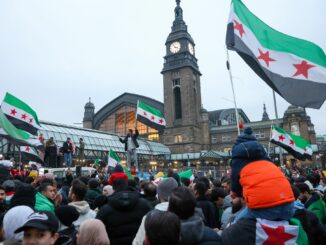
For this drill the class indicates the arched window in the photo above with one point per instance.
(177, 103)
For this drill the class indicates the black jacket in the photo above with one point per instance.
(134, 139)
(208, 210)
(122, 216)
(67, 147)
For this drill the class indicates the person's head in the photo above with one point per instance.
(130, 131)
(217, 196)
(182, 202)
(304, 192)
(165, 188)
(40, 228)
(107, 190)
(200, 189)
(119, 185)
(67, 214)
(162, 228)
(81, 139)
(47, 189)
(51, 139)
(93, 183)
(237, 204)
(185, 181)
(226, 185)
(9, 186)
(24, 195)
(92, 231)
(2, 194)
(118, 169)
(217, 183)
(77, 191)
(150, 190)
(68, 139)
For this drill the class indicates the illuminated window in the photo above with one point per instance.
(226, 138)
(178, 138)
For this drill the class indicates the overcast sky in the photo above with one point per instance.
(56, 54)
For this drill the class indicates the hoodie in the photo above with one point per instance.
(84, 211)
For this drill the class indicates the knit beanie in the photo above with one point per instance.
(248, 130)
(24, 195)
(67, 214)
(165, 187)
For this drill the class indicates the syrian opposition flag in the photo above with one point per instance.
(113, 159)
(20, 114)
(15, 135)
(150, 116)
(30, 154)
(294, 68)
(296, 145)
(188, 175)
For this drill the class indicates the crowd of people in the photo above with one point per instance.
(259, 203)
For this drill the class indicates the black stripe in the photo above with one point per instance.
(22, 125)
(290, 150)
(150, 123)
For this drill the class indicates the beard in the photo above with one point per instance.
(236, 207)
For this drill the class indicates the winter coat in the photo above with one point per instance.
(316, 205)
(134, 139)
(67, 147)
(70, 232)
(92, 194)
(122, 216)
(208, 210)
(43, 203)
(153, 201)
(193, 231)
(84, 211)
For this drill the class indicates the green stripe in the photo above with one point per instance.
(12, 100)
(11, 130)
(150, 109)
(298, 141)
(275, 40)
(114, 156)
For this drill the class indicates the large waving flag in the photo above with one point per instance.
(113, 160)
(20, 114)
(30, 154)
(15, 135)
(150, 116)
(294, 68)
(296, 145)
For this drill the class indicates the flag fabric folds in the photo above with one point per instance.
(294, 68)
(150, 116)
(113, 159)
(295, 145)
(30, 154)
(187, 174)
(20, 114)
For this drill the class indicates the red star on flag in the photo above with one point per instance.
(265, 57)
(281, 137)
(27, 148)
(302, 68)
(31, 120)
(145, 114)
(238, 26)
(276, 235)
(24, 116)
(13, 112)
(152, 118)
(161, 121)
(291, 142)
(41, 138)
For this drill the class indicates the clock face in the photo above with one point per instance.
(175, 47)
(191, 48)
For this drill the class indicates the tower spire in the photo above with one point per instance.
(178, 2)
(265, 115)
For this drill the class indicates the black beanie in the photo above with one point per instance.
(67, 214)
(248, 130)
(118, 169)
(24, 195)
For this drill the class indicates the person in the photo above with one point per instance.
(40, 228)
(123, 213)
(164, 190)
(51, 153)
(131, 145)
(77, 195)
(182, 202)
(81, 149)
(107, 190)
(24, 195)
(45, 197)
(162, 228)
(93, 192)
(150, 194)
(92, 232)
(217, 197)
(67, 152)
(3, 205)
(9, 186)
(118, 173)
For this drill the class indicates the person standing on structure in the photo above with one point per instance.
(131, 145)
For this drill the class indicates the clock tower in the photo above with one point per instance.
(186, 121)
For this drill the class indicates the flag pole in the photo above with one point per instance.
(228, 66)
(136, 114)
(270, 138)
(276, 115)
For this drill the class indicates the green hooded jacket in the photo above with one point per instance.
(43, 203)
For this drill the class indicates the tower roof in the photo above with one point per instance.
(89, 104)
(265, 115)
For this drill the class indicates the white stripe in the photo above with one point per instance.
(286, 141)
(6, 108)
(31, 150)
(141, 111)
(284, 61)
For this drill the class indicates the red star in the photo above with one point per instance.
(281, 137)
(27, 148)
(31, 120)
(302, 68)
(24, 116)
(152, 118)
(161, 121)
(276, 235)
(41, 138)
(238, 26)
(13, 112)
(265, 57)
(145, 114)
(291, 142)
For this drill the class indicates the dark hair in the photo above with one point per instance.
(205, 180)
(44, 186)
(182, 202)
(162, 228)
(93, 183)
(217, 192)
(201, 188)
(303, 187)
(226, 180)
(150, 190)
(119, 185)
(217, 183)
(2, 188)
(79, 189)
(185, 181)
(84, 179)
(296, 191)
